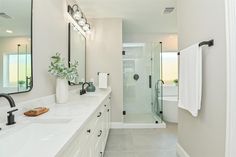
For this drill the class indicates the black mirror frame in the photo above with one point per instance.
(69, 54)
(31, 42)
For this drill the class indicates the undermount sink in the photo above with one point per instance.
(31, 139)
(50, 121)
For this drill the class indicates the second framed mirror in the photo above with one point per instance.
(77, 51)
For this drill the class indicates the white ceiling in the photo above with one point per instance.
(20, 23)
(139, 16)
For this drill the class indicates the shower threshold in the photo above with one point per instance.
(143, 120)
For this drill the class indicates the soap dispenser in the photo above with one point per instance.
(91, 87)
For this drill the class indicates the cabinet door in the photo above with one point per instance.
(88, 149)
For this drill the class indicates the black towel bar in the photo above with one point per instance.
(209, 43)
(107, 74)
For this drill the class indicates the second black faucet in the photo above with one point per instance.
(83, 91)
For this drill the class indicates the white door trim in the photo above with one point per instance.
(231, 78)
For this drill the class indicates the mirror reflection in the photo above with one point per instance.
(15, 46)
(77, 51)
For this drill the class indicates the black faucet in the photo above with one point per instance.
(10, 117)
(83, 91)
(9, 98)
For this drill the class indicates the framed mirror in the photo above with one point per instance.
(77, 51)
(16, 74)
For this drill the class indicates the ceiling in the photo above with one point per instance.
(20, 21)
(139, 16)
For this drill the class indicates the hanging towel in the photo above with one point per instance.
(190, 79)
(102, 80)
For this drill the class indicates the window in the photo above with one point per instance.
(170, 68)
(16, 67)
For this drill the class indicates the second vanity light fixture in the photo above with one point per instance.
(79, 17)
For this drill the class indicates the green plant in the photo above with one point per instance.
(60, 70)
(21, 82)
(176, 81)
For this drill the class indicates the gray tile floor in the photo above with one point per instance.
(142, 142)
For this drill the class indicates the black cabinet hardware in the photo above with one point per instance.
(89, 131)
(100, 114)
(100, 133)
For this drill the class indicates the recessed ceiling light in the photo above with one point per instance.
(9, 31)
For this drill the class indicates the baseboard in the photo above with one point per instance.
(116, 125)
(120, 125)
(180, 151)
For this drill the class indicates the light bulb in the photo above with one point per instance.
(77, 15)
(86, 27)
(82, 22)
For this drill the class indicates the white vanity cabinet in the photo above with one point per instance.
(90, 140)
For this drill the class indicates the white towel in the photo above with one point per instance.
(102, 80)
(190, 79)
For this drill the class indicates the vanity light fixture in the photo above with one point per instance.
(77, 14)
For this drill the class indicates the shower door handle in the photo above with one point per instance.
(150, 81)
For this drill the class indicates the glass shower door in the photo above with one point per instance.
(141, 71)
(137, 93)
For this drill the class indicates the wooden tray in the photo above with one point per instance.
(36, 111)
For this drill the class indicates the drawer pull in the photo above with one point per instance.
(100, 114)
(89, 131)
(105, 105)
(100, 133)
(108, 110)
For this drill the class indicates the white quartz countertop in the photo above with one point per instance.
(46, 135)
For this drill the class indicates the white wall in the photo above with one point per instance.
(169, 40)
(49, 36)
(200, 20)
(104, 54)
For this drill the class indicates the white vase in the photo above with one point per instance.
(62, 91)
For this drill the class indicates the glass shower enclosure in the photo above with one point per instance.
(17, 69)
(142, 73)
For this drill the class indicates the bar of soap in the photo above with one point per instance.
(36, 111)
